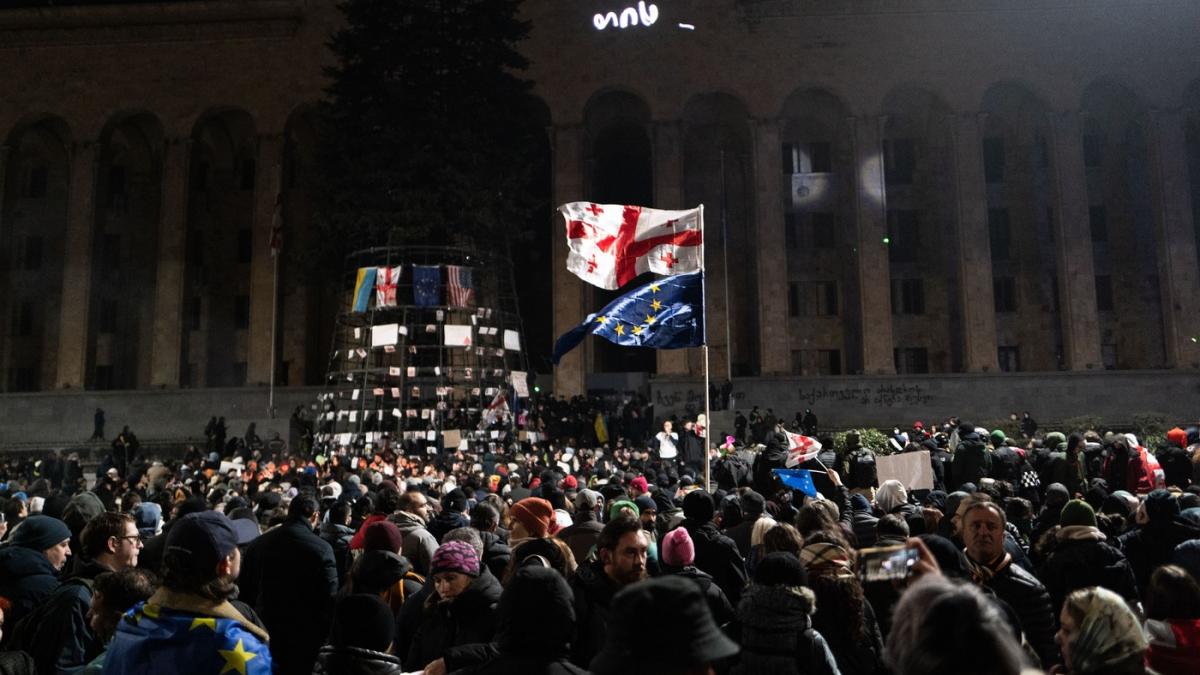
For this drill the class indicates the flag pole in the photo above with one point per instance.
(704, 349)
(276, 250)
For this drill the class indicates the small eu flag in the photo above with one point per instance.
(663, 314)
(427, 285)
(797, 479)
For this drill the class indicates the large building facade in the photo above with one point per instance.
(891, 186)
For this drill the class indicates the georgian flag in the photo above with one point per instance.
(801, 449)
(611, 244)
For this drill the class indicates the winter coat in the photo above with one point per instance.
(777, 636)
(972, 462)
(741, 534)
(722, 610)
(854, 656)
(467, 619)
(1031, 603)
(863, 522)
(57, 632)
(419, 544)
(581, 536)
(496, 553)
(718, 556)
(27, 579)
(338, 537)
(16, 663)
(773, 456)
(593, 592)
(289, 577)
(355, 661)
(446, 521)
(1083, 559)
(1151, 545)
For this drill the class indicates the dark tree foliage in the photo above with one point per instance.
(428, 132)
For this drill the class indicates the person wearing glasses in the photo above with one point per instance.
(58, 633)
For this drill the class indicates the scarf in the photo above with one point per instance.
(982, 573)
(828, 559)
(1079, 533)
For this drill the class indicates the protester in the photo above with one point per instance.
(620, 561)
(359, 640)
(460, 610)
(1099, 635)
(1173, 622)
(114, 594)
(1082, 558)
(29, 565)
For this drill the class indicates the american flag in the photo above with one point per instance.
(462, 291)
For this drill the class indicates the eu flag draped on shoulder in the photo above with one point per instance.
(154, 639)
(664, 314)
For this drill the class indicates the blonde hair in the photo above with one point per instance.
(761, 526)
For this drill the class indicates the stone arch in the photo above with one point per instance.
(919, 185)
(125, 252)
(818, 187)
(1121, 215)
(219, 249)
(35, 187)
(718, 171)
(618, 169)
(1016, 136)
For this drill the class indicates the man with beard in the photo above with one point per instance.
(983, 531)
(621, 551)
(189, 625)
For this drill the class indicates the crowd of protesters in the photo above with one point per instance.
(1058, 553)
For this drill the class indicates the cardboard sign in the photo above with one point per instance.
(912, 469)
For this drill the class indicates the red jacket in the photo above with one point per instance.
(1174, 646)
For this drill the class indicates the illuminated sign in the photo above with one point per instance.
(642, 15)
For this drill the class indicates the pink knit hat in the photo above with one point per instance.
(678, 549)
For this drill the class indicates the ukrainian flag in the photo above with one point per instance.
(363, 286)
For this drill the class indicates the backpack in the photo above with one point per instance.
(863, 472)
(44, 632)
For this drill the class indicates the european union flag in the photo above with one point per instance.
(427, 285)
(154, 639)
(797, 479)
(663, 314)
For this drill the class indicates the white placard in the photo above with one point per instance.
(457, 336)
(512, 340)
(519, 382)
(912, 469)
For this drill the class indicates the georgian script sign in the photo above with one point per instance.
(642, 14)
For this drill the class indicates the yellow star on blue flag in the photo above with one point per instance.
(667, 313)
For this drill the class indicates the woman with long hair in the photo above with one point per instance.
(844, 617)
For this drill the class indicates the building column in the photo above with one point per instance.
(668, 194)
(77, 270)
(977, 306)
(166, 348)
(1175, 234)
(267, 184)
(1072, 236)
(771, 264)
(569, 291)
(871, 256)
(5, 356)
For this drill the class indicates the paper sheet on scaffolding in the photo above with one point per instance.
(384, 335)
(512, 340)
(457, 336)
(451, 438)
(520, 382)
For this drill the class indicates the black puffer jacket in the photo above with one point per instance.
(777, 637)
(496, 553)
(338, 537)
(773, 456)
(718, 603)
(1083, 559)
(1029, 599)
(355, 661)
(593, 592)
(469, 618)
(718, 556)
(1151, 546)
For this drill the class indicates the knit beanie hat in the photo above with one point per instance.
(698, 505)
(640, 483)
(455, 556)
(536, 514)
(678, 549)
(382, 536)
(614, 509)
(1177, 437)
(1077, 512)
(40, 533)
(998, 438)
(645, 503)
(455, 501)
(1053, 439)
(780, 569)
(362, 621)
(1161, 506)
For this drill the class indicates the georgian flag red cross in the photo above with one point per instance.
(611, 244)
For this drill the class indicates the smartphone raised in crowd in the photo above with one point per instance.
(887, 563)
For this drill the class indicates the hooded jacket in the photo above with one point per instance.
(27, 579)
(467, 619)
(972, 461)
(419, 544)
(718, 556)
(773, 456)
(338, 537)
(536, 623)
(57, 632)
(496, 553)
(387, 575)
(1083, 559)
(777, 634)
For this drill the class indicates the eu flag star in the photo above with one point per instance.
(602, 320)
(656, 305)
(204, 622)
(236, 659)
(654, 288)
(649, 319)
(637, 330)
(620, 329)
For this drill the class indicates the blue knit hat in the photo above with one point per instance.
(40, 533)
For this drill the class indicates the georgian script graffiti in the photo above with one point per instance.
(886, 395)
(645, 15)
